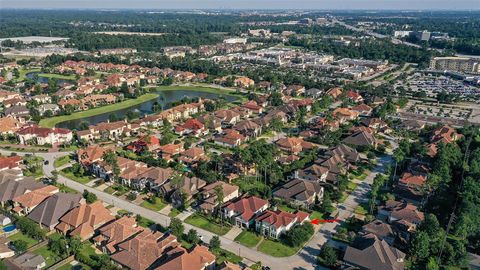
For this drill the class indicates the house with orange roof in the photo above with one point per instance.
(191, 127)
(243, 211)
(445, 134)
(115, 233)
(25, 203)
(354, 96)
(9, 125)
(199, 258)
(345, 114)
(91, 154)
(193, 155)
(243, 82)
(83, 220)
(168, 150)
(145, 143)
(209, 195)
(253, 106)
(363, 109)
(10, 163)
(293, 145)
(335, 92)
(230, 138)
(141, 251)
(275, 223)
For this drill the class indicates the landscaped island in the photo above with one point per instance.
(51, 122)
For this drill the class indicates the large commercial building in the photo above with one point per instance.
(459, 64)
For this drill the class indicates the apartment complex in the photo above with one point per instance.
(459, 64)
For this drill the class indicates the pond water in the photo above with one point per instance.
(39, 79)
(164, 98)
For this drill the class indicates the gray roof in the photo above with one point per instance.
(25, 261)
(299, 190)
(361, 138)
(371, 253)
(54, 207)
(17, 110)
(13, 188)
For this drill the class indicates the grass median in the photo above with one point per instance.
(53, 121)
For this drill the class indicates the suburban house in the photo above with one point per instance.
(27, 260)
(152, 178)
(49, 212)
(314, 92)
(362, 109)
(354, 96)
(294, 145)
(401, 213)
(209, 195)
(243, 211)
(230, 138)
(361, 138)
(13, 186)
(145, 143)
(115, 233)
(252, 106)
(248, 128)
(191, 127)
(168, 150)
(141, 251)
(193, 155)
(83, 220)
(228, 117)
(25, 203)
(9, 125)
(345, 114)
(300, 192)
(412, 186)
(10, 163)
(314, 173)
(199, 258)
(42, 136)
(275, 223)
(188, 187)
(369, 252)
(335, 92)
(92, 154)
(5, 251)
(380, 229)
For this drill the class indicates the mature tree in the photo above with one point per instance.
(192, 237)
(328, 256)
(89, 197)
(215, 242)
(176, 227)
(20, 245)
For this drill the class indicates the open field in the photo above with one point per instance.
(51, 122)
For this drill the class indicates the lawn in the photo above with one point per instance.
(159, 205)
(225, 255)
(77, 266)
(48, 255)
(316, 215)
(23, 73)
(52, 121)
(144, 222)
(361, 209)
(57, 76)
(20, 236)
(276, 249)
(59, 162)
(351, 186)
(248, 239)
(174, 212)
(81, 179)
(203, 223)
(285, 208)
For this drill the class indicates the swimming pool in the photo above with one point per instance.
(9, 228)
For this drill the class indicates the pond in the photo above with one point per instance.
(165, 98)
(40, 79)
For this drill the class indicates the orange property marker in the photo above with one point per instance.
(317, 221)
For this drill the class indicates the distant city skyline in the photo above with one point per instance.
(247, 4)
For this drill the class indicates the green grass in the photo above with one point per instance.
(23, 73)
(78, 266)
(59, 162)
(81, 179)
(52, 121)
(225, 255)
(144, 222)
(70, 77)
(276, 249)
(316, 215)
(351, 186)
(248, 239)
(203, 223)
(109, 190)
(286, 208)
(362, 209)
(87, 249)
(159, 205)
(66, 189)
(174, 212)
(49, 256)
(20, 236)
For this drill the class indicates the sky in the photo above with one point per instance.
(245, 4)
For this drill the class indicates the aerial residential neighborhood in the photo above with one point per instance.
(200, 137)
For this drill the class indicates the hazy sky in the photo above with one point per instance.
(247, 4)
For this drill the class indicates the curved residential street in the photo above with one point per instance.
(304, 260)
